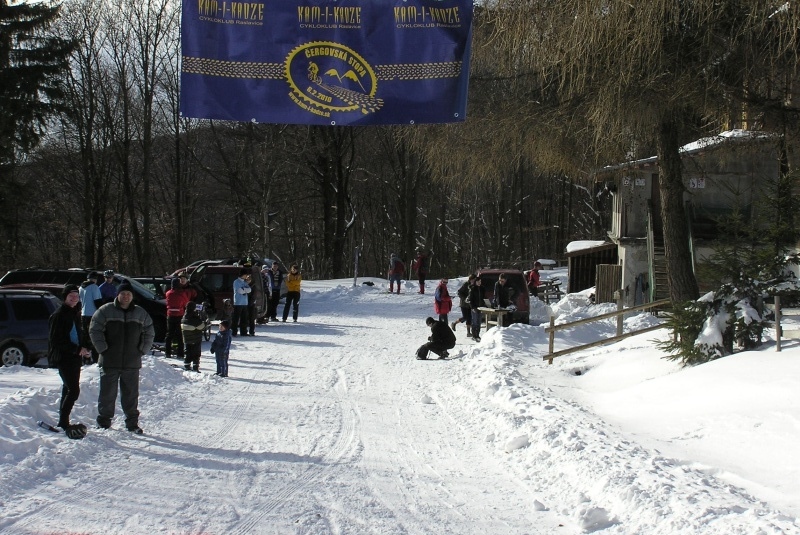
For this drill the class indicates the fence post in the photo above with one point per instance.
(778, 329)
(355, 266)
(620, 318)
(552, 339)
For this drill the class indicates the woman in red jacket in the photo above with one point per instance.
(442, 302)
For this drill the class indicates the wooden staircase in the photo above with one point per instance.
(661, 289)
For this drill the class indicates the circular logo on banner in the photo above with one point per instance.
(329, 77)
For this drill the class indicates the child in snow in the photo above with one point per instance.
(221, 347)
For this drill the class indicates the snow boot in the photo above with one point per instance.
(75, 431)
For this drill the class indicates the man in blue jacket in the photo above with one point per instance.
(91, 299)
(240, 290)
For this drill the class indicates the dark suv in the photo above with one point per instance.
(24, 316)
(515, 286)
(53, 281)
(215, 278)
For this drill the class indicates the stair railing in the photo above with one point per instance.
(651, 253)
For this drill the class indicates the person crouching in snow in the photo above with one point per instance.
(221, 347)
(441, 339)
(192, 327)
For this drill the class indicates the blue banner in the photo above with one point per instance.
(326, 62)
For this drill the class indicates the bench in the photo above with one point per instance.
(493, 316)
(550, 290)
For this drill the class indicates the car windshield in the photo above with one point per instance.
(140, 289)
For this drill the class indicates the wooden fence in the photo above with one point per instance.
(553, 328)
(791, 330)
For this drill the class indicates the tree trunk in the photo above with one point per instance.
(680, 271)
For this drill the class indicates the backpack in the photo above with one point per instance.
(463, 292)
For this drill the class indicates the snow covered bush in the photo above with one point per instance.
(730, 317)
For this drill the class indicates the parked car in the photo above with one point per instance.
(156, 284)
(24, 316)
(515, 286)
(53, 280)
(215, 279)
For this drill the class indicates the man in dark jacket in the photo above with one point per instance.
(121, 332)
(501, 297)
(475, 301)
(67, 356)
(192, 327)
(441, 339)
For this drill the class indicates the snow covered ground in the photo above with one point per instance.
(330, 426)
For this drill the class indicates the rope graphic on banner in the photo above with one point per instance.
(275, 71)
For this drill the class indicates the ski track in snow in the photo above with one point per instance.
(330, 426)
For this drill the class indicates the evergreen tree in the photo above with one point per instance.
(31, 62)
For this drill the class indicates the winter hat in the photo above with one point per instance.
(174, 283)
(225, 323)
(69, 288)
(125, 287)
(429, 320)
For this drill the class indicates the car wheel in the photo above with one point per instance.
(13, 355)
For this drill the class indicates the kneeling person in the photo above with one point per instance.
(441, 339)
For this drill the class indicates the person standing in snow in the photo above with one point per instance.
(251, 307)
(420, 265)
(64, 337)
(475, 301)
(240, 291)
(441, 339)
(275, 279)
(192, 327)
(463, 303)
(396, 271)
(534, 279)
(107, 289)
(91, 299)
(121, 332)
(177, 298)
(221, 347)
(442, 302)
(293, 280)
(500, 298)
